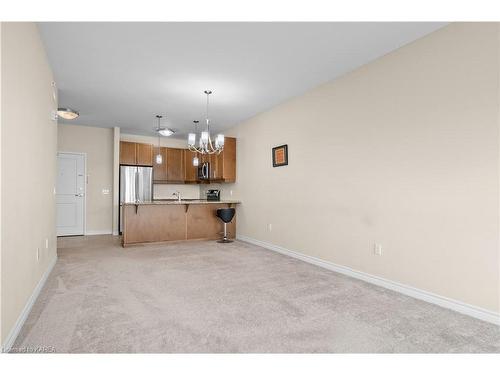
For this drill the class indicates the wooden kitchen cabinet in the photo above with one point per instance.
(190, 171)
(127, 153)
(171, 170)
(132, 153)
(175, 165)
(224, 164)
(160, 170)
(144, 154)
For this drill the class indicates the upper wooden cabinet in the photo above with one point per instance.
(132, 153)
(127, 153)
(224, 164)
(160, 170)
(144, 154)
(175, 164)
(190, 171)
(171, 170)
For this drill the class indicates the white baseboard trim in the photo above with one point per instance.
(461, 307)
(11, 338)
(98, 232)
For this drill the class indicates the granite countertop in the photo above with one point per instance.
(183, 201)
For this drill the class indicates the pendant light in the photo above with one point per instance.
(192, 141)
(159, 157)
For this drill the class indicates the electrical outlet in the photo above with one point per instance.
(230, 192)
(46, 243)
(377, 249)
(270, 227)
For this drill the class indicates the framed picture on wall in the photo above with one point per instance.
(280, 156)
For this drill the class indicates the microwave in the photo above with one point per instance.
(204, 171)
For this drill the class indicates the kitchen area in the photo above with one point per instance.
(152, 205)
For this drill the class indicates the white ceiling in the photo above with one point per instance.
(122, 74)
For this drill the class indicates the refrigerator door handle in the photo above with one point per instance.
(136, 174)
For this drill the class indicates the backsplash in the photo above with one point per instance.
(226, 190)
(165, 191)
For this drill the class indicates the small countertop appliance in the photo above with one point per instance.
(213, 195)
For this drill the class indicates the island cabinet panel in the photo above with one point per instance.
(127, 153)
(175, 165)
(153, 223)
(190, 171)
(174, 222)
(160, 170)
(202, 222)
(144, 154)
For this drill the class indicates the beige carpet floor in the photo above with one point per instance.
(210, 297)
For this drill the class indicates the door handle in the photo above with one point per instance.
(78, 195)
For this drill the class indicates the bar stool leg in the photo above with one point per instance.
(225, 239)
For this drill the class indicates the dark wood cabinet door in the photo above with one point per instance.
(160, 170)
(144, 154)
(127, 153)
(218, 166)
(228, 168)
(190, 171)
(175, 164)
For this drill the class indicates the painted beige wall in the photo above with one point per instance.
(28, 157)
(402, 152)
(98, 144)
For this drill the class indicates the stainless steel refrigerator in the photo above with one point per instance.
(136, 186)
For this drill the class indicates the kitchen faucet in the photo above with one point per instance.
(178, 195)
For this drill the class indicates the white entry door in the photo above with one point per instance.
(70, 194)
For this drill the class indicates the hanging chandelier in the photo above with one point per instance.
(205, 143)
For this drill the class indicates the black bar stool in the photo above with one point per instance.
(226, 215)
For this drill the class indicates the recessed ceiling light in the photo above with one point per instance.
(166, 132)
(67, 113)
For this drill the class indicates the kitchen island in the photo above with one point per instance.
(174, 220)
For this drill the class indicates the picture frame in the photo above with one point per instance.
(280, 156)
